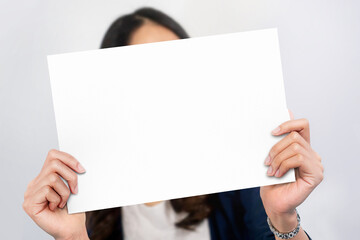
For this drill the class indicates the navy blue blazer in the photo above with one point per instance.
(238, 215)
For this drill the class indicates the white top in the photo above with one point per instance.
(158, 222)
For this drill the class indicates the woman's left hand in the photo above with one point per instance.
(293, 151)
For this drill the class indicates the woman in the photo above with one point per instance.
(240, 214)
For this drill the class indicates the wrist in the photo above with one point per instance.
(82, 235)
(283, 222)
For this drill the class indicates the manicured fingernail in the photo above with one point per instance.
(269, 171)
(267, 160)
(276, 130)
(81, 168)
(277, 174)
(76, 189)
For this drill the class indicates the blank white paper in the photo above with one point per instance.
(170, 119)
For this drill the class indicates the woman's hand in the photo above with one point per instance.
(46, 196)
(293, 151)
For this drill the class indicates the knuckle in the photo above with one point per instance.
(54, 164)
(53, 178)
(52, 153)
(294, 136)
(47, 190)
(295, 147)
(300, 157)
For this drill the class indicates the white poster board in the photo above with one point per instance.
(170, 119)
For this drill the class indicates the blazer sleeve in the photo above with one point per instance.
(254, 215)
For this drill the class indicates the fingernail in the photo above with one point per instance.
(269, 171)
(81, 168)
(76, 189)
(267, 160)
(276, 130)
(277, 174)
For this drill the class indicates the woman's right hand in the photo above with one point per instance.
(46, 196)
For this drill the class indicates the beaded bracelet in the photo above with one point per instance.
(288, 235)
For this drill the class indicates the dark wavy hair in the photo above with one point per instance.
(103, 224)
(120, 30)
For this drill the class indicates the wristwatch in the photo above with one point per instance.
(288, 235)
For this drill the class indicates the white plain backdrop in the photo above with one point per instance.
(320, 51)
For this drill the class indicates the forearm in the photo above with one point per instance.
(285, 223)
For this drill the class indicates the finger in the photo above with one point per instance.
(299, 125)
(57, 166)
(291, 114)
(287, 153)
(67, 159)
(292, 162)
(54, 181)
(293, 137)
(47, 195)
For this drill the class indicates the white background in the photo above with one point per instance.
(320, 54)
